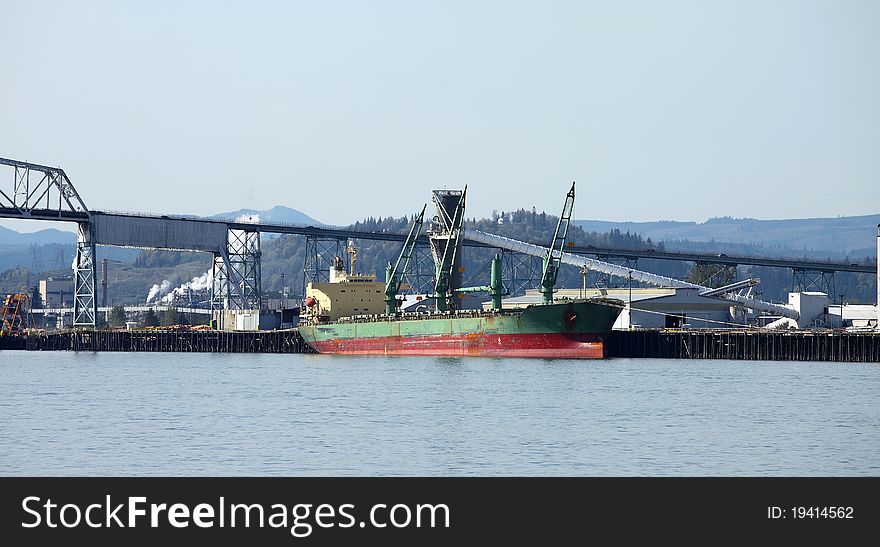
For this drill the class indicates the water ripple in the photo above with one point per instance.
(220, 414)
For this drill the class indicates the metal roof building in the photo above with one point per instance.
(654, 307)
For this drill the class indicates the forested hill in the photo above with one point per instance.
(539, 228)
(523, 225)
(834, 236)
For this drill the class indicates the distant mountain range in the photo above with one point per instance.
(855, 234)
(9, 236)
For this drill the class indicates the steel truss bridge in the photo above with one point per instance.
(41, 192)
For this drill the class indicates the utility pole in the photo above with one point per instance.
(630, 303)
(584, 272)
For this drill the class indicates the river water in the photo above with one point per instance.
(135, 414)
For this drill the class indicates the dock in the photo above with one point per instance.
(746, 344)
(743, 344)
(166, 340)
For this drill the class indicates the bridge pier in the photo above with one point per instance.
(85, 301)
(422, 272)
(520, 272)
(605, 280)
(236, 272)
(803, 280)
(318, 260)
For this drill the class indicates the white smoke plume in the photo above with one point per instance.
(156, 290)
(248, 218)
(198, 283)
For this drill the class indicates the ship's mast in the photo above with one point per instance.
(352, 253)
(553, 259)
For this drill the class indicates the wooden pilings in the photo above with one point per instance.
(673, 344)
(281, 341)
(746, 345)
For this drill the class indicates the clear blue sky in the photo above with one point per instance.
(660, 110)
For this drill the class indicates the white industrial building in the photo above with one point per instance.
(658, 308)
(858, 316)
(651, 308)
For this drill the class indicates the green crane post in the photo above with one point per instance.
(494, 288)
(496, 291)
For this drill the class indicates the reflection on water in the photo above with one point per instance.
(219, 414)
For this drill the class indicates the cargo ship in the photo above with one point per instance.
(571, 330)
(357, 315)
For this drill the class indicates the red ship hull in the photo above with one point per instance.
(536, 345)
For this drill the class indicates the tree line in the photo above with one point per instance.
(117, 317)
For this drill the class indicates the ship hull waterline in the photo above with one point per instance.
(557, 331)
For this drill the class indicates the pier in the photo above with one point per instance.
(748, 345)
(751, 345)
(163, 340)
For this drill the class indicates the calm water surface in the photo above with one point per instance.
(65, 413)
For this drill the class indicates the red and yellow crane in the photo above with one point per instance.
(16, 315)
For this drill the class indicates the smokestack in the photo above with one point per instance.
(104, 282)
(878, 277)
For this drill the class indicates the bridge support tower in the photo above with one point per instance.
(85, 301)
(803, 280)
(236, 273)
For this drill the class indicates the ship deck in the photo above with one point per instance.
(425, 315)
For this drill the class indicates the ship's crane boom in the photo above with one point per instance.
(553, 258)
(394, 274)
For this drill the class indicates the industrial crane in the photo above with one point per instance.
(446, 262)
(553, 258)
(16, 314)
(394, 274)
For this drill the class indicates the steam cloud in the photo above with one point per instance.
(156, 290)
(200, 282)
(248, 218)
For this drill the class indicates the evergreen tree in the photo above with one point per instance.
(712, 275)
(116, 317)
(171, 317)
(150, 319)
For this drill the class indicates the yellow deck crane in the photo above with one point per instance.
(16, 315)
